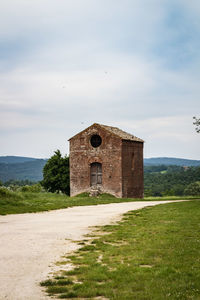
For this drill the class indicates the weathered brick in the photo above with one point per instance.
(121, 159)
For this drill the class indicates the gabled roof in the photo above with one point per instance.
(114, 130)
(122, 134)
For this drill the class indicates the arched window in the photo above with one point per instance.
(95, 174)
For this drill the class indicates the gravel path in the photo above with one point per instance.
(30, 244)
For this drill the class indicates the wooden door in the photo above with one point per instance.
(95, 174)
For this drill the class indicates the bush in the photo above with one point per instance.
(4, 192)
(36, 188)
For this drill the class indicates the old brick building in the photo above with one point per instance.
(107, 159)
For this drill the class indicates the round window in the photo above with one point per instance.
(95, 140)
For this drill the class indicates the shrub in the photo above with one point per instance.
(4, 192)
(36, 188)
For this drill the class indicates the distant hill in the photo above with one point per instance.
(171, 161)
(15, 159)
(22, 168)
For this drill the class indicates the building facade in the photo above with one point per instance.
(108, 160)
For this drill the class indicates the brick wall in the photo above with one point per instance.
(82, 154)
(132, 169)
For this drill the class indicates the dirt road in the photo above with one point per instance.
(30, 244)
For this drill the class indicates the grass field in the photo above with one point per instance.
(24, 202)
(153, 253)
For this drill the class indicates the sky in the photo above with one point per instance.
(132, 64)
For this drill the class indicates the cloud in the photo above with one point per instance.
(67, 64)
(176, 134)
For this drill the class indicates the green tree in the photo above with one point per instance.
(56, 174)
(193, 189)
(197, 124)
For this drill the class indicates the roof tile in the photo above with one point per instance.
(114, 130)
(122, 134)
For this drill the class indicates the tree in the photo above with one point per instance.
(193, 188)
(56, 174)
(197, 124)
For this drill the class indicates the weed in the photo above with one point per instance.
(47, 282)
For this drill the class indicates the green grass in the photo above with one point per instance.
(153, 253)
(26, 202)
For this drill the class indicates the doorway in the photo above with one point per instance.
(95, 174)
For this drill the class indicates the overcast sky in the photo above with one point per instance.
(66, 64)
